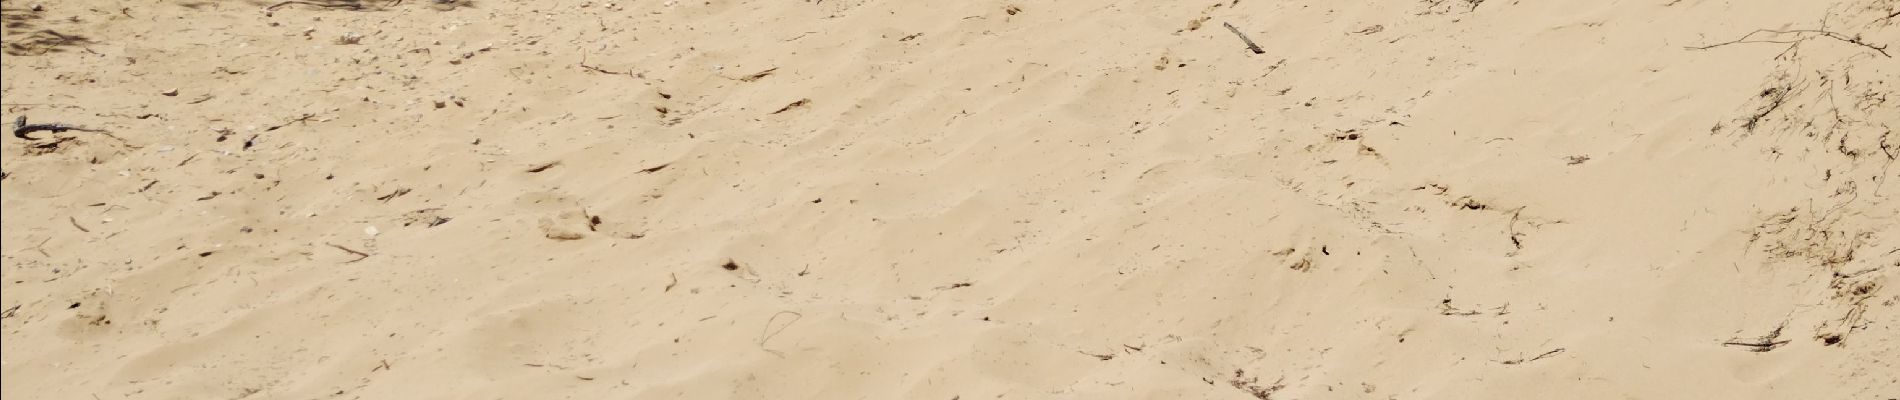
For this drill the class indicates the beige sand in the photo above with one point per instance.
(952, 200)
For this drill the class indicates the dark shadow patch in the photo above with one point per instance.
(18, 19)
(445, 5)
(27, 35)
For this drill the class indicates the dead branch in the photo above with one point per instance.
(1758, 347)
(1546, 354)
(1801, 36)
(767, 334)
(756, 75)
(302, 119)
(584, 65)
(350, 5)
(359, 255)
(1251, 46)
(793, 105)
(1762, 344)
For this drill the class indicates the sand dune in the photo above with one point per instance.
(334, 199)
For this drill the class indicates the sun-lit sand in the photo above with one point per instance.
(1441, 199)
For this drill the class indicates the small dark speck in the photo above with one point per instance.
(206, 254)
(75, 305)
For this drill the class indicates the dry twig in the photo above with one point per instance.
(359, 255)
(1538, 357)
(1251, 46)
(1801, 35)
(768, 333)
(584, 65)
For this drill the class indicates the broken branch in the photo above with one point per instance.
(1801, 36)
(1243, 38)
(768, 333)
(359, 255)
(584, 65)
(351, 6)
(1538, 357)
(795, 104)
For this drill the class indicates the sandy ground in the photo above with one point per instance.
(1447, 199)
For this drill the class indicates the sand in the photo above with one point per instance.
(951, 200)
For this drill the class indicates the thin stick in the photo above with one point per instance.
(42, 246)
(1243, 37)
(21, 128)
(1805, 35)
(1759, 347)
(795, 104)
(351, 6)
(584, 65)
(75, 222)
(757, 75)
(1538, 357)
(766, 336)
(359, 255)
(301, 119)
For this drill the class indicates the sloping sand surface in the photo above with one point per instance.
(1440, 199)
